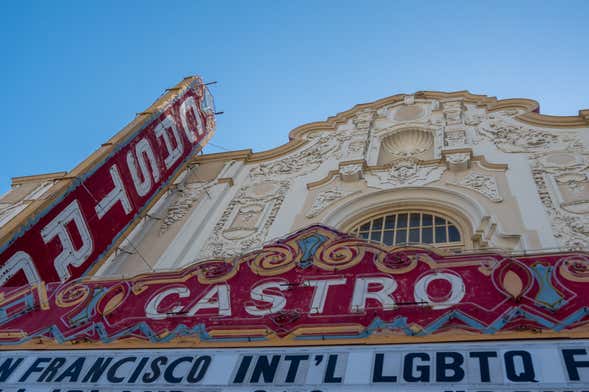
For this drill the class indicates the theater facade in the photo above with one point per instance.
(422, 242)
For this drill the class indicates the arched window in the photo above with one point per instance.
(406, 227)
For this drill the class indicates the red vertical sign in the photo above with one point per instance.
(82, 225)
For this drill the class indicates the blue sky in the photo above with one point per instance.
(74, 73)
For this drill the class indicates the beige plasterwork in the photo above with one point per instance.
(141, 251)
(486, 219)
(529, 108)
(479, 159)
(522, 110)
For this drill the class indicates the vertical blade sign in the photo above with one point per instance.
(79, 227)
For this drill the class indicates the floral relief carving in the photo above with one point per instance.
(363, 120)
(473, 117)
(247, 219)
(325, 198)
(454, 137)
(511, 138)
(458, 158)
(575, 182)
(187, 196)
(483, 184)
(356, 147)
(563, 186)
(353, 169)
(304, 161)
(572, 231)
(408, 171)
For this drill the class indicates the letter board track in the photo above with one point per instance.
(491, 366)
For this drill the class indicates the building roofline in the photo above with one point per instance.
(296, 136)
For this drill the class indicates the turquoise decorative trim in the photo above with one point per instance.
(309, 247)
(547, 295)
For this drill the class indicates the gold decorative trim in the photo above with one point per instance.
(323, 181)
(273, 341)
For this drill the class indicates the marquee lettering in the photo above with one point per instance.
(412, 292)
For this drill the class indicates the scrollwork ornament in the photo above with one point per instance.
(574, 268)
(215, 271)
(522, 139)
(273, 260)
(238, 230)
(336, 255)
(483, 184)
(408, 171)
(458, 158)
(325, 198)
(394, 263)
(301, 162)
(72, 295)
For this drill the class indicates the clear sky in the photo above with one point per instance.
(73, 73)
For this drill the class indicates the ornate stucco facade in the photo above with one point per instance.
(418, 241)
(510, 179)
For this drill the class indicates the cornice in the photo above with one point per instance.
(542, 120)
(490, 103)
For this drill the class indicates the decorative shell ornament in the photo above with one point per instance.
(408, 142)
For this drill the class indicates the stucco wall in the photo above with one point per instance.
(511, 178)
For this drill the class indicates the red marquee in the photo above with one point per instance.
(316, 284)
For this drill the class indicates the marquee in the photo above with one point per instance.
(316, 286)
(513, 366)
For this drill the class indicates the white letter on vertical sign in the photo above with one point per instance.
(142, 150)
(320, 294)
(362, 293)
(190, 104)
(277, 301)
(207, 302)
(161, 131)
(118, 194)
(17, 262)
(456, 294)
(57, 228)
(151, 310)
